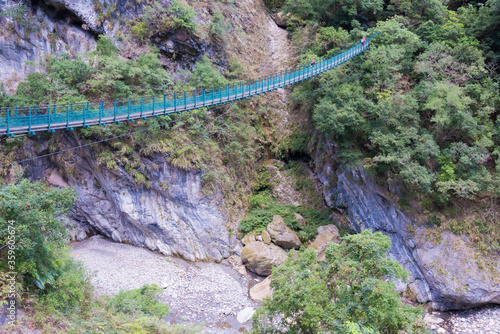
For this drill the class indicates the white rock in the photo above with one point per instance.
(441, 331)
(431, 319)
(245, 315)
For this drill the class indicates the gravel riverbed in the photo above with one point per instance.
(208, 293)
(211, 293)
(485, 320)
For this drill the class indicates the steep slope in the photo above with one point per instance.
(169, 213)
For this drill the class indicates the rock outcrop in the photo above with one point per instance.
(170, 215)
(260, 258)
(34, 37)
(282, 235)
(326, 234)
(262, 290)
(461, 274)
(368, 206)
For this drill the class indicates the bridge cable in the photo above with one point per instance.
(156, 126)
(163, 155)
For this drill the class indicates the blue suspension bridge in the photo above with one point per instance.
(18, 120)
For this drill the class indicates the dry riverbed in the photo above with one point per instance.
(213, 294)
(207, 293)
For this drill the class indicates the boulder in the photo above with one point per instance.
(245, 315)
(432, 320)
(282, 235)
(300, 220)
(262, 290)
(462, 276)
(326, 234)
(248, 238)
(266, 237)
(260, 258)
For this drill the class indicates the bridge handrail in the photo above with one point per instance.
(49, 117)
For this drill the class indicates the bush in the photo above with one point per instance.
(264, 207)
(351, 293)
(206, 76)
(183, 15)
(143, 301)
(31, 210)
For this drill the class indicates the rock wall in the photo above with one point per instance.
(39, 32)
(69, 26)
(449, 274)
(171, 216)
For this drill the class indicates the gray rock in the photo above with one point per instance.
(170, 216)
(368, 206)
(326, 234)
(300, 220)
(266, 237)
(262, 290)
(42, 35)
(260, 258)
(282, 235)
(462, 275)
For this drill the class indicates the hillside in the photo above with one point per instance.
(403, 139)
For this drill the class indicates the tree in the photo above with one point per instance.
(351, 293)
(29, 214)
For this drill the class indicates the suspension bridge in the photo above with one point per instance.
(18, 120)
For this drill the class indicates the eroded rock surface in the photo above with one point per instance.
(326, 234)
(282, 235)
(431, 266)
(260, 258)
(169, 215)
(262, 290)
(460, 273)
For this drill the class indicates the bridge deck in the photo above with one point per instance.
(30, 120)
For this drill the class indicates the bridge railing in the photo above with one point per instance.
(50, 117)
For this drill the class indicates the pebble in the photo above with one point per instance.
(485, 320)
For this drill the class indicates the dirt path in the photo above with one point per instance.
(196, 292)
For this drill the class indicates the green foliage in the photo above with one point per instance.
(206, 76)
(39, 233)
(351, 293)
(71, 292)
(424, 94)
(183, 15)
(332, 12)
(105, 46)
(264, 207)
(143, 301)
(141, 31)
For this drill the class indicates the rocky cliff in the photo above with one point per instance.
(170, 215)
(445, 271)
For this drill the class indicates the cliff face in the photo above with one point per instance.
(29, 33)
(33, 30)
(445, 271)
(170, 216)
(169, 213)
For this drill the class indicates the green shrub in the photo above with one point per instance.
(264, 207)
(29, 212)
(141, 31)
(182, 15)
(143, 301)
(105, 46)
(206, 76)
